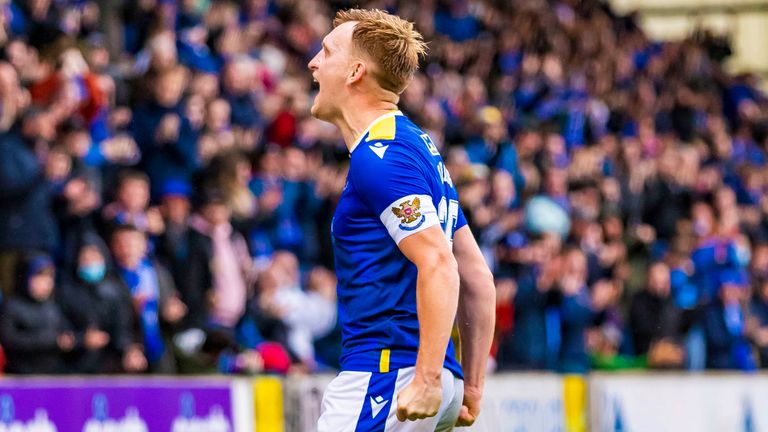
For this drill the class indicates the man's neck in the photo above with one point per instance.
(132, 265)
(352, 121)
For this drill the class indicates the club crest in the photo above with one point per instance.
(408, 212)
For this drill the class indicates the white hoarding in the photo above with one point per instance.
(673, 403)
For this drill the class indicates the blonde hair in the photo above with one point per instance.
(390, 41)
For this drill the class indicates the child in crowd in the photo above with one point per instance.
(156, 305)
(131, 205)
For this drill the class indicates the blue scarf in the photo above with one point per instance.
(741, 352)
(734, 320)
(143, 282)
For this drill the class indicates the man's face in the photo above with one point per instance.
(176, 208)
(576, 265)
(41, 286)
(216, 213)
(129, 247)
(169, 88)
(218, 115)
(134, 195)
(731, 294)
(330, 68)
(90, 255)
(287, 266)
(78, 143)
(238, 77)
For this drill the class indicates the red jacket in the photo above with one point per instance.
(45, 90)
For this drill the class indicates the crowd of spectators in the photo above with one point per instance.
(166, 198)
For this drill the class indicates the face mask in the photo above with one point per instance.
(92, 272)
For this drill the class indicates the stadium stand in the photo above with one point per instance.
(166, 198)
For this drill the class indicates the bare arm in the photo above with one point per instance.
(476, 318)
(437, 296)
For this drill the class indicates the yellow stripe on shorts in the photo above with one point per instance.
(384, 361)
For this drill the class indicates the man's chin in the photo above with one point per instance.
(316, 112)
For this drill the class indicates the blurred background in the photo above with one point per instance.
(742, 22)
(165, 201)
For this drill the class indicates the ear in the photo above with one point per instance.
(356, 72)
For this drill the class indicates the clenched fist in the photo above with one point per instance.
(470, 407)
(419, 399)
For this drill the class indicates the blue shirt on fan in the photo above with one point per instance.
(397, 186)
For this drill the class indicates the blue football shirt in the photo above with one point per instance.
(397, 185)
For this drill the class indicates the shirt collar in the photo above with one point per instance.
(368, 129)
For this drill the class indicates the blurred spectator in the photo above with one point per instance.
(522, 347)
(173, 244)
(306, 314)
(728, 327)
(26, 221)
(268, 319)
(100, 313)
(564, 126)
(217, 130)
(759, 315)
(506, 290)
(131, 205)
(289, 203)
(666, 197)
(220, 271)
(76, 199)
(494, 148)
(606, 338)
(573, 312)
(156, 305)
(162, 131)
(33, 330)
(217, 351)
(713, 255)
(656, 323)
(231, 173)
(238, 83)
(72, 91)
(758, 265)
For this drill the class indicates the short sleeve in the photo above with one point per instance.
(461, 220)
(394, 187)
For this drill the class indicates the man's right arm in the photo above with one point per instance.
(476, 320)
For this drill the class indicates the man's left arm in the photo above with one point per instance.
(477, 317)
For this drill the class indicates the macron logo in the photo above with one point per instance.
(377, 403)
(379, 149)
